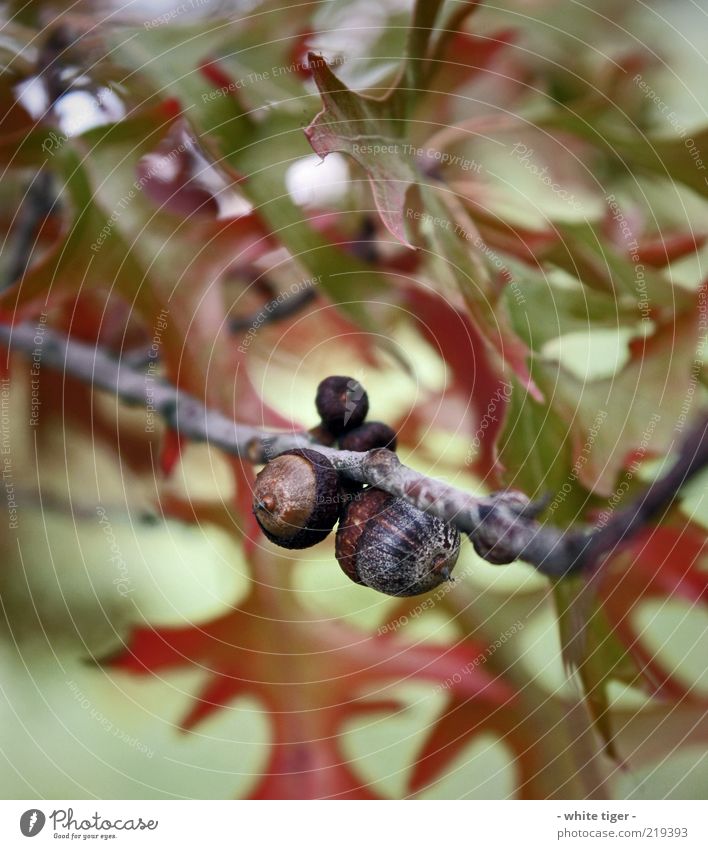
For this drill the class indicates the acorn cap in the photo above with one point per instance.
(342, 403)
(296, 498)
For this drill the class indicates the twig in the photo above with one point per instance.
(279, 307)
(40, 200)
(94, 366)
(692, 458)
(502, 526)
(38, 203)
(274, 311)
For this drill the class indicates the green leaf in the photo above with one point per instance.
(374, 130)
(536, 451)
(635, 150)
(636, 412)
(544, 307)
(587, 254)
(591, 647)
(368, 130)
(263, 159)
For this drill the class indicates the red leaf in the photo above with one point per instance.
(214, 73)
(663, 249)
(314, 679)
(177, 178)
(170, 451)
(461, 345)
(463, 720)
(299, 55)
(464, 56)
(659, 563)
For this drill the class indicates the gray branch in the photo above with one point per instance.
(503, 526)
(146, 388)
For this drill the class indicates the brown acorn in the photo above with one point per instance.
(385, 543)
(342, 403)
(296, 498)
(367, 436)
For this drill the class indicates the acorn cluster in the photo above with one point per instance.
(382, 542)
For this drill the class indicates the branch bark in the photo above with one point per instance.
(502, 526)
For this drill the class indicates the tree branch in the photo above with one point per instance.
(692, 458)
(279, 307)
(503, 526)
(179, 409)
(38, 203)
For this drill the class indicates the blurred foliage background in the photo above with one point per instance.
(499, 214)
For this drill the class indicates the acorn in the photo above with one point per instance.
(342, 403)
(319, 433)
(387, 544)
(296, 498)
(367, 436)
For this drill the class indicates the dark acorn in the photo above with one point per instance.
(322, 435)
(387, 544)
(296, 498)
(342, 403)
(367, 436)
